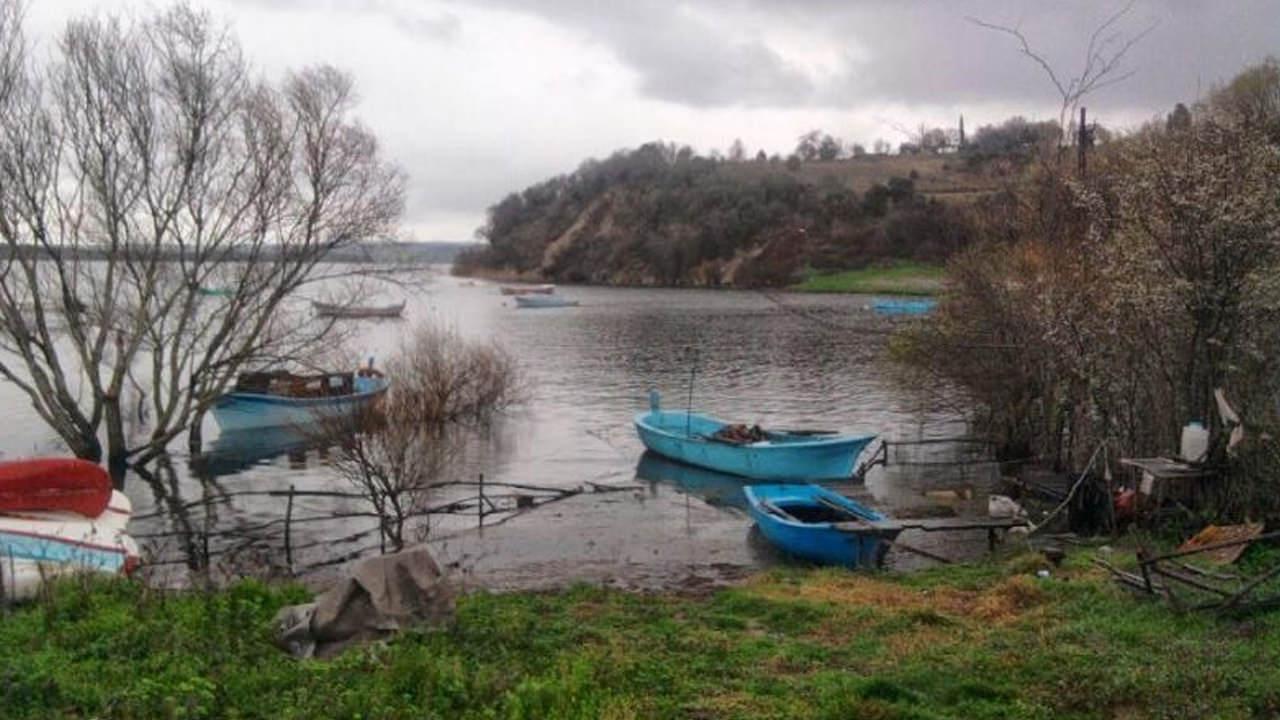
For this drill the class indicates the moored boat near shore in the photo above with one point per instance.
(816, 524)
(54, 484)
(282, 399)
(795, 455)
(36, 546)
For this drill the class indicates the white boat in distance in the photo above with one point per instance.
(527, 289)
(544, 301)
(345, 311)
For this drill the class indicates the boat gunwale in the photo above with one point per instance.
(754, 500)
(858, 507)
(827, 441)
(358, 311)
(234, 396)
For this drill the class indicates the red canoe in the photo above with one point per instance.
(63, 484)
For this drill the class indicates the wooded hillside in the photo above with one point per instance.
(662, 215)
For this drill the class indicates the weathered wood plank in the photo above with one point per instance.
(946, 524)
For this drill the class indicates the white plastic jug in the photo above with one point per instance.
(1195, 442)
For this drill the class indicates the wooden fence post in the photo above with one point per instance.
(480, 503)
(288, 543)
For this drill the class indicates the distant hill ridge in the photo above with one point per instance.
(661, 215)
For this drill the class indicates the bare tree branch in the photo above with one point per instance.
(1101, 66)
(140, 169)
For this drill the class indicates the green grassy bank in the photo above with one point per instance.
(897, 279)
(988, 641)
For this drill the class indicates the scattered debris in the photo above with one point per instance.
(1188, 587)
(1003, 506)
(740, 434)
(1217, 534)
(950, 495)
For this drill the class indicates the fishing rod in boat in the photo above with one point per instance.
(688, 409)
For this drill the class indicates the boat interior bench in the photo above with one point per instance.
(991, 525)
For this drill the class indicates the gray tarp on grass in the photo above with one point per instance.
(382, 595)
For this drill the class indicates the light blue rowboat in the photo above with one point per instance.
(795, 456)
(242, 410)
(818, 525)
(900, 306)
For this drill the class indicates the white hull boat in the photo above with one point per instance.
(36, 546)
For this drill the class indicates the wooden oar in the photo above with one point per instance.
(839, 508)
(775, 510)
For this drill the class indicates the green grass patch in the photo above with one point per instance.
(978, 641)
(897, 279)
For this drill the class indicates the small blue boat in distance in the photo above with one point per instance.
(903, 306)
(780, 455)
(282, 399)
(821, 526)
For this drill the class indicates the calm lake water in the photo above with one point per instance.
(785, 360)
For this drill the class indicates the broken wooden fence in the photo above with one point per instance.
(1186, 586)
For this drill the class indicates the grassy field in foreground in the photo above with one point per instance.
(986, 641)
(898, 279)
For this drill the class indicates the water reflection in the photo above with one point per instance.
(713, 488)
(794, 361)
(240, 450)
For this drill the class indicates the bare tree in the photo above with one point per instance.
(1103, 60)
(141, 167)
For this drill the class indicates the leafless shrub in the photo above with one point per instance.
(394, 454)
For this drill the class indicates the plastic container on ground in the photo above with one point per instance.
(1195, 441)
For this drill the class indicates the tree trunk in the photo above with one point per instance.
(117, 451)
(85, 447)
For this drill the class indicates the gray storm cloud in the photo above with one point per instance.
(917, 51)
(478, 98)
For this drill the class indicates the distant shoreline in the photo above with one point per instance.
(899, 278)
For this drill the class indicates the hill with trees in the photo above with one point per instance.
(661, 214)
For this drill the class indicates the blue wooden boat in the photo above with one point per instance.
(778, 455)
(281, 399)
(816, 524)
(902, 306)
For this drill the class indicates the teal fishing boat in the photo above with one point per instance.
(901, 306)
(282, 399)
(782, 455)
(821, 526)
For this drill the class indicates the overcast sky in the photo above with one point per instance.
(477, 99)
